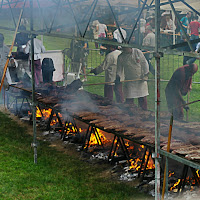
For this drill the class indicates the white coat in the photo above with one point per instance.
(135, 66)
(109, 65)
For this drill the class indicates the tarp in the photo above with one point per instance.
(58, 60)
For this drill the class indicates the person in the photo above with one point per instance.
(21, 39)
(13, 70)
(149, 41)
(102, 30)
(4, 52)
(188, 59)
(194, 27)
(47, 70)
(185, 22)
(38, 49)
(118, 36)
(109, 65)
(169, 24)
(78, 55)
(135, 67)
(107, 48)
(95, 28)
(178, 86)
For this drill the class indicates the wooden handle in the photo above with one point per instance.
(7, 61)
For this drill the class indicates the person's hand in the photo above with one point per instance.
(186, 108)
(117, 80)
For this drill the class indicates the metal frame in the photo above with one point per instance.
(157, 83)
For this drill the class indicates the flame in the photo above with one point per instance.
(150, 164)
(93, 140)
(175, 184)
(198, 173)
(171, 174)
(135, 164)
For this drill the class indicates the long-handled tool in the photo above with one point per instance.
(103, 83)
(9, 54)
(187, 111)
(168, 149)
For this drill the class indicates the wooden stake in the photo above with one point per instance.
(168, 149)
(9, 54)
(187, 111)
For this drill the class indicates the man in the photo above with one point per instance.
(149, 41)
(107, 48)
(21, 39)
(38, 49)
(194, 27)
(178, 86)
(4, 51)
(188, 59)
(78, 53)
(169, 24)
(109, 65)
(185, 22)
(135, 67)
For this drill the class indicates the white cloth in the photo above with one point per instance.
(102, 28)
(149, 40)
(117, 35)
(109, 65)
(135, 66)
(4, 51)
(38, 48)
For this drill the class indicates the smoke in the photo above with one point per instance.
(80, 101)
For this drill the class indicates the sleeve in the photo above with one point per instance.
(115, 34)
(104, 65)
(27, 48)
(146, 41)
(143, 62)
(198, 47)
(42, 47)
(120, 67)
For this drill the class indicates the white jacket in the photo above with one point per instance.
(135, 66)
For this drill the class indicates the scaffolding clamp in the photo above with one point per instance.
(158, 54)
(34, 145)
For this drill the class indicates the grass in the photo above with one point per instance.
(56, 176)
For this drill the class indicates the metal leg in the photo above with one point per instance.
(146, 163)
(143, 160)
(50, 119)
(183, 176)
(98, 137)
(110, 153)
(195, 176)
(85, 138)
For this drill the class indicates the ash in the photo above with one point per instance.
(190, 193)
(100, 156)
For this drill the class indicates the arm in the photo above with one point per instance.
(120, 67)
(102, 67)
(27, 48)
(197, 48)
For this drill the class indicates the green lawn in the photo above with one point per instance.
(56, 176)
